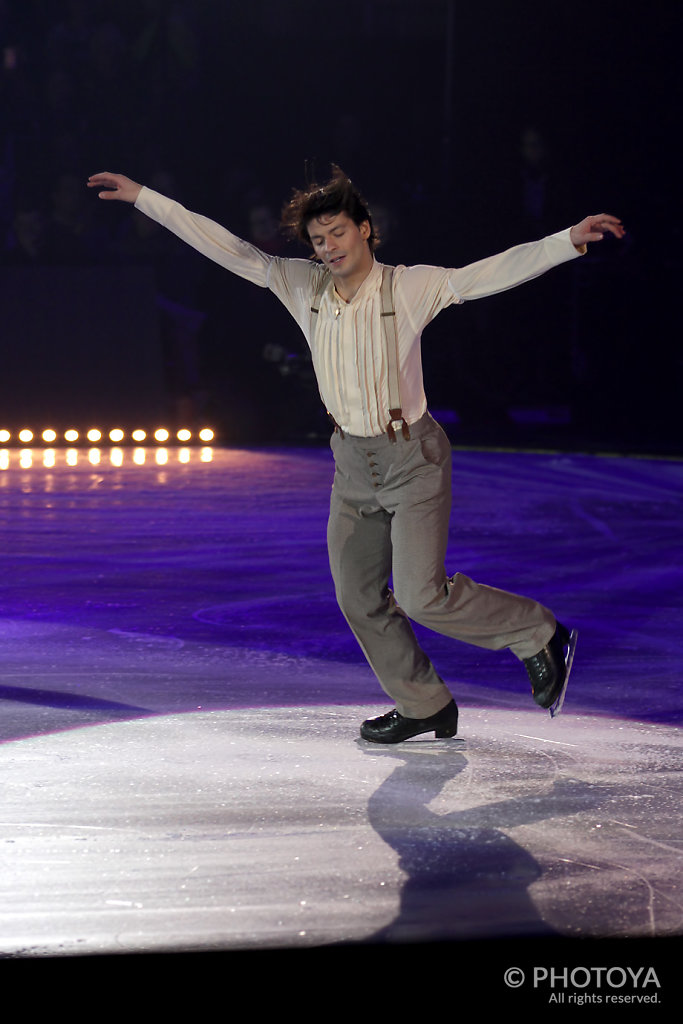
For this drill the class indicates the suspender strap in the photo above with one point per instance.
(324, 282)
(391, 345)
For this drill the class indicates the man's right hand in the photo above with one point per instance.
(115, 186)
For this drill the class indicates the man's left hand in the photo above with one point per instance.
(592, 229)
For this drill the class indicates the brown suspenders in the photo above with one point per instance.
(391, 346)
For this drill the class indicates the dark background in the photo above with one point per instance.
(468, 126)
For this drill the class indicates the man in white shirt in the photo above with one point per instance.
(391, 496)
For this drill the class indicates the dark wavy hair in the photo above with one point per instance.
(338, 195)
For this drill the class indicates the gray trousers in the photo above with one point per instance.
(389, 518)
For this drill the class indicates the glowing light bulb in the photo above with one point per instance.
(94, 434)
(25, 436)
(206, 434)
(161, 434)
(116, 435)
(139, 435)
(4, 436)
(49, 435)
(71, 436)
(184, 435)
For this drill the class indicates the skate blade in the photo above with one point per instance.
(568, 661)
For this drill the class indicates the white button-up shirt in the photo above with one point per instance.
(348, 344)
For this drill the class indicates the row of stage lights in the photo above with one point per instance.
(115, 436)
(50, 458)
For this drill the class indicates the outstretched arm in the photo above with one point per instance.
(202, 234)
(116, 186)
(427, 295)
(291, 280)
(592, 229)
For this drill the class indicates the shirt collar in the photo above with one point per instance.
(370, 284)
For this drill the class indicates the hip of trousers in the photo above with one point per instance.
(373, 473)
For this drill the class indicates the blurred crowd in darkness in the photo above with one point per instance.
(86, 87)
(78, 84)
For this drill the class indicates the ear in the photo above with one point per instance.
(365, 230)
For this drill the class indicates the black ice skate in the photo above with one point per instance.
(549, 669)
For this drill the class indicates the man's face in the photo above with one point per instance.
(341, 244)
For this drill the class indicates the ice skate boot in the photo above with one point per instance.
(549, 669)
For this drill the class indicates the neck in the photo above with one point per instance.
(347, 287)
